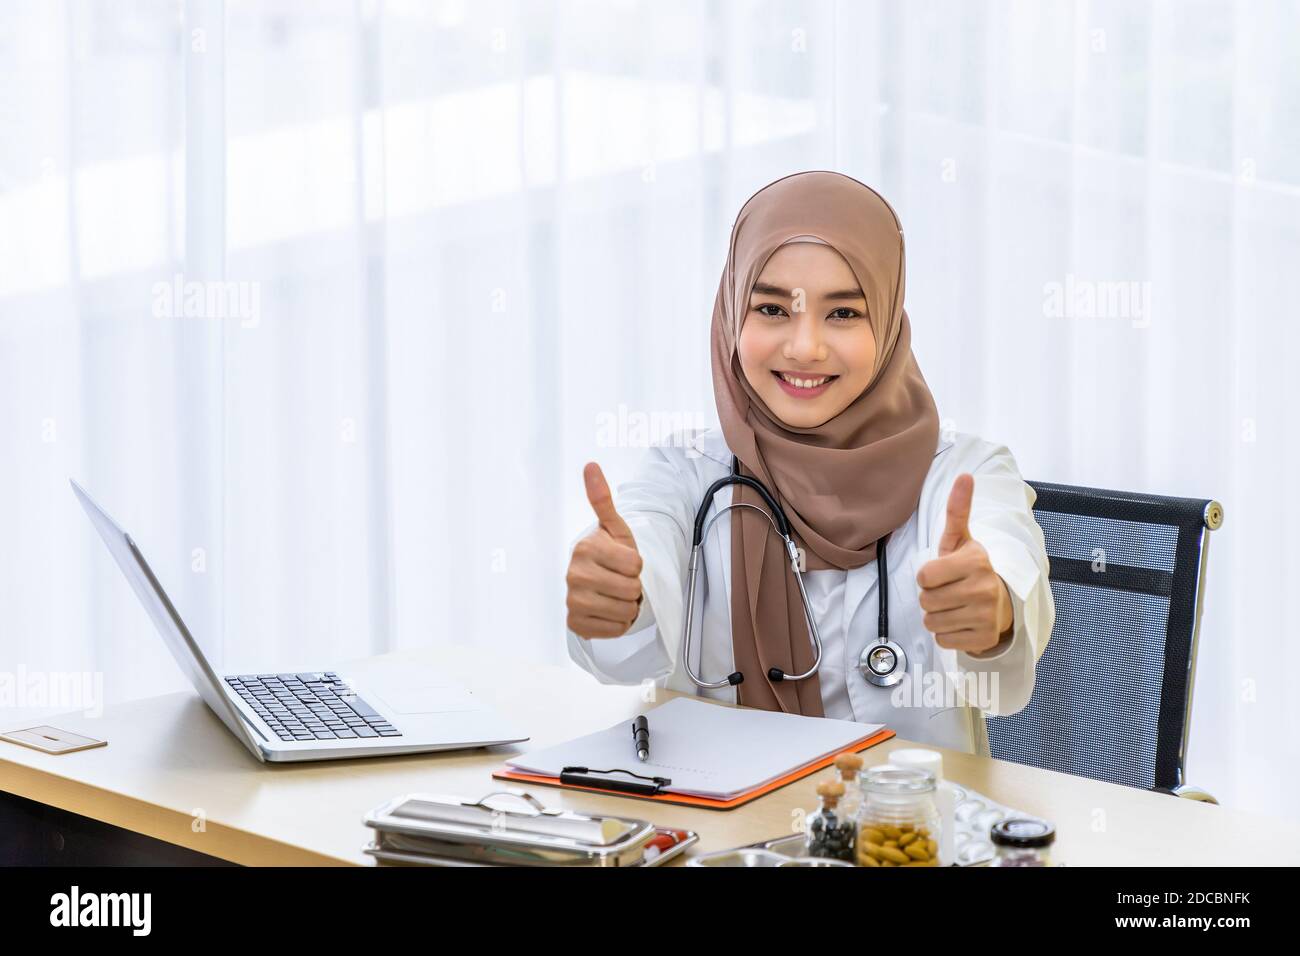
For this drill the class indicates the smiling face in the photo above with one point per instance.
(806, 345)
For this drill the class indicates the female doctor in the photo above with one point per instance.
(821, 400)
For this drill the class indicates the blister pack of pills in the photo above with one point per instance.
(975, 815)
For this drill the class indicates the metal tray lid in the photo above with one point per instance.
(459, 820)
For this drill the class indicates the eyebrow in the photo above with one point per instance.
(763, 288)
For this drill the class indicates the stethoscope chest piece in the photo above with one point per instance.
(883, 663)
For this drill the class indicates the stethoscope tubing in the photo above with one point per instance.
(781, 524)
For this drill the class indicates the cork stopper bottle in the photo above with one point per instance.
(829, 833)
(850, 766)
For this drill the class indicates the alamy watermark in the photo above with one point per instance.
(208, 299)
(1077, 298)
(66, 690)
(630, 428)
(936, 690)
(131, 911)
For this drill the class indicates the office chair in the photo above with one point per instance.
(1113, 689)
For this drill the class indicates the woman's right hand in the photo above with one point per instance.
(604, 576)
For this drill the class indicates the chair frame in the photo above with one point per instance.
(1194, 518)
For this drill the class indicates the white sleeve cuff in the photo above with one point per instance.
(631, 658)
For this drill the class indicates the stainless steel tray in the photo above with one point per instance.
(975, 814)
(441, 829)
(411, 859)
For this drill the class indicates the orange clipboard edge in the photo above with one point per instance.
(708, 803)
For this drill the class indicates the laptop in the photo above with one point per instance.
(287, 716)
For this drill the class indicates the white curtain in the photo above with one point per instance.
(446, 252)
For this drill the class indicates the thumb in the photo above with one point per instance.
(603, 504)
(956, 531)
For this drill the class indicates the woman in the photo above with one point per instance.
(820, 398)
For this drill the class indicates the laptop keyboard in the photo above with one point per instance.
(315, 706)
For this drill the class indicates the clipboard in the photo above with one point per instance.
(707, 803)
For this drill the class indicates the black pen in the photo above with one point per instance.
(641, 735)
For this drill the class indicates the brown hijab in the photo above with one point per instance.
(845, 484)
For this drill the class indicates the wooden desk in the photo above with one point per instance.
(168, 758)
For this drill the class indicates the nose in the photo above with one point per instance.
(805, 344)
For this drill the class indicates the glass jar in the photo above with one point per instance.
(1019, 842)
(829, 834)
(899, 824)
(850, 766)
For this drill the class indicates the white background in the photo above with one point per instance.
(477, 229)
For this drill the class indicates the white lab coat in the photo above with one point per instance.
(939, 702)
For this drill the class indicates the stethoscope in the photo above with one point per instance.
(882, 663)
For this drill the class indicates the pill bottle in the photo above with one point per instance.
(850, 765)
(1020, 842)
(829, 834)
(899, 824)
(945, 794)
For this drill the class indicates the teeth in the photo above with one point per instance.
(805, 382)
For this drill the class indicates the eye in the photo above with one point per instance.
(838, 317)
(771, 315)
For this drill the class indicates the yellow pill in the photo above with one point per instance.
(888, 863)
(893, 843)
(916, 852)
(906, 839)
(907, 827)
(872, 835)
(871, 849)
(866, 859)
(891, 832)
(932, 847)
(893, 854)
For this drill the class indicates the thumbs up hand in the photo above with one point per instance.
(967, 604)
(604, 578)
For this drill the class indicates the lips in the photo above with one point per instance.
(804, 380)
(803, 385)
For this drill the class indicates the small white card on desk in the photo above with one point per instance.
(51, 739)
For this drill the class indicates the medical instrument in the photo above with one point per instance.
(446, 830)
(882, 662)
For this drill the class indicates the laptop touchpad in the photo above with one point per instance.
(418, 698)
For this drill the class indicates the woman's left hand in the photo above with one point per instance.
(966, 603)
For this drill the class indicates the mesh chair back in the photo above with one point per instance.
(1112, 691)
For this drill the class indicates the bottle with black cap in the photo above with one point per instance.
(1019, 842)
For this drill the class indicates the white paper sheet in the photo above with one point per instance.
(707, 750)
